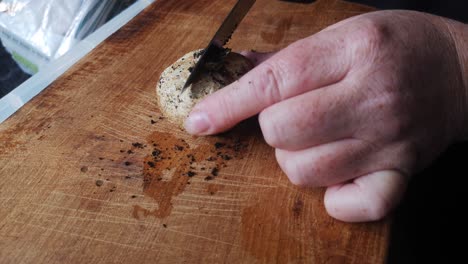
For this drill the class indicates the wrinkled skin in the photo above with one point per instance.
(358, 107)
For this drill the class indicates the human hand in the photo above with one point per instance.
(358, 107)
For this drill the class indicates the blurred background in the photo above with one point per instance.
(35, 32)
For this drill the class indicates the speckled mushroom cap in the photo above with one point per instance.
(175, 105)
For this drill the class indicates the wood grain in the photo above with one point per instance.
(81, 182)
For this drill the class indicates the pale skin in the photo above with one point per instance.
(359, 107)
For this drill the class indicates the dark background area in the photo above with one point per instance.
(429, 225)
(10, 74)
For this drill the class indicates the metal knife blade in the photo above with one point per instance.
(222, 36)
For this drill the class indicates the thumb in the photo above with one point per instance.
(367, 198)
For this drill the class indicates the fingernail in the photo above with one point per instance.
(197, 123)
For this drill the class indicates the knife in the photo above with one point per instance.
(215, 50)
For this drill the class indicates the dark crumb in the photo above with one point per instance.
(212, 193)
(153, 122)
(127, 163)
(156, 152)
(211, 159)
(107, 180)
(159, 179)
(225, 157)
(151, 164)
(100, 158)
(150, 116)
(111, 190)
(99, 183)
(215, 171)
(84, 169)
(164, 225)
(134, 196)
(209, 178)
(161, 117)
(190, 69)
(121, 140)
(102, 169)
(202, 168)
(219, 145)
(191, 157)
(128, 177)
(138, 145)
(191, 173)
(297, 207)
(237, 145)
(179, 148)
(122, 151)
(188, 182)
(130, 151)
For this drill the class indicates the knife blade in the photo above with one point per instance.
(215, 48)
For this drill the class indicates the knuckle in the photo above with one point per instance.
(370, 34)
(294, 174)
(377, 209)
(292, 169)
(269, 83)
(270, 129)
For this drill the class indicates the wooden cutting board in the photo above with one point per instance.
(90, 172)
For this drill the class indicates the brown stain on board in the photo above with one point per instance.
(165, 173)
(278, 34)
(167, 170)
(212, 189)
(9, 141)
(274, 223)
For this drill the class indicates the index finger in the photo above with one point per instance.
(308, 64)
